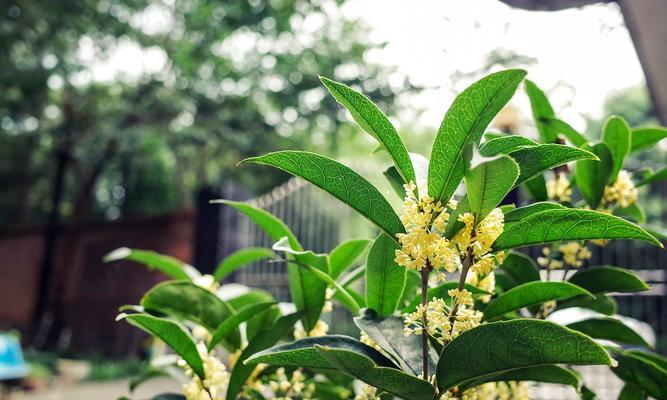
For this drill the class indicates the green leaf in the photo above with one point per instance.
(488, 183)
(530, 294)
(340, 181)
(505, 145)
(302, 353)
(185, 300)
(229, 325)
(559, 126)
(608, 279)
(308, 290)
(462, 128)
(616, 135)
(272, 225)
(609, 329)
(522, 212)
(539, 373)
(633, 211)
(170, 266)
(601, 303)
(646, 137)
(542, 111)
(375, 123)
(569, 224)
(499, 347)
(592, 176)
(172, 334)
(412, 285)
(240, 258)
(537, 188)
(385, 280)
(655, 358)
(264, 339)
(387, 332)
(351, 357)
(535, 160)
(655, 177)
(645, 374)
(345, 255)
(631, 392)
(520, 268)
(390, 380)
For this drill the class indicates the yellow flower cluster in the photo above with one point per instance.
(424, 220)
(622, 192)
(491, 391)
(570, 254)
(216, 377)
(320, 329)
(559, 189)
(368, 341)
(293, 388)
(479, 238)
(367, 392)
(438, 316)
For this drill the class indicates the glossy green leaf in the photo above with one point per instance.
(185, 300)
(340, 181)
(536, 188)
(387, 332)
(412, 289)
(488, 183)
(385, 279)
(530, 294)
(561, 127)
(389, 380)
(269, 336)
(645, 374)
(608, 279)
(174, 335)
(616, 135)
(522, 212)
(240, 258)
(592, 176)
(345, 255)
(539, 373)
(657, 359)
(542, 111)
(462, 128)
(308, 290)
(302, 353)
(609, 329)
(499, 347)
(229, 325)
(520, 267)
(602, 303)
(369, 117)
(272, 225)
(505, 145)
(569, 224)
(631, 392)
(646, 137)
(535, 160)
(658, 176)
(170, 266)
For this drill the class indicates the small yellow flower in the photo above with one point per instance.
(622, 192)
(462, 297)
(559, 189)
(321, 328)
(216, 377)
(574, 254)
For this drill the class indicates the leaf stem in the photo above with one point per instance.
(424, 275)
(465, 267)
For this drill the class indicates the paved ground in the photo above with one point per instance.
(101, 391)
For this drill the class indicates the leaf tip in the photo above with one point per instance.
(118, 254)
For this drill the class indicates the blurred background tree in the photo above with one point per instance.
(125, 108)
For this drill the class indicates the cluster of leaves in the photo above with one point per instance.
(514, 343)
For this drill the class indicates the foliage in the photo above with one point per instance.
(483, 335)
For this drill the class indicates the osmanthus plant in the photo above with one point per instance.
(432, 323)
(450, 345)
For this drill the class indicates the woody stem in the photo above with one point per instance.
(465, 267)
(424, 276)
